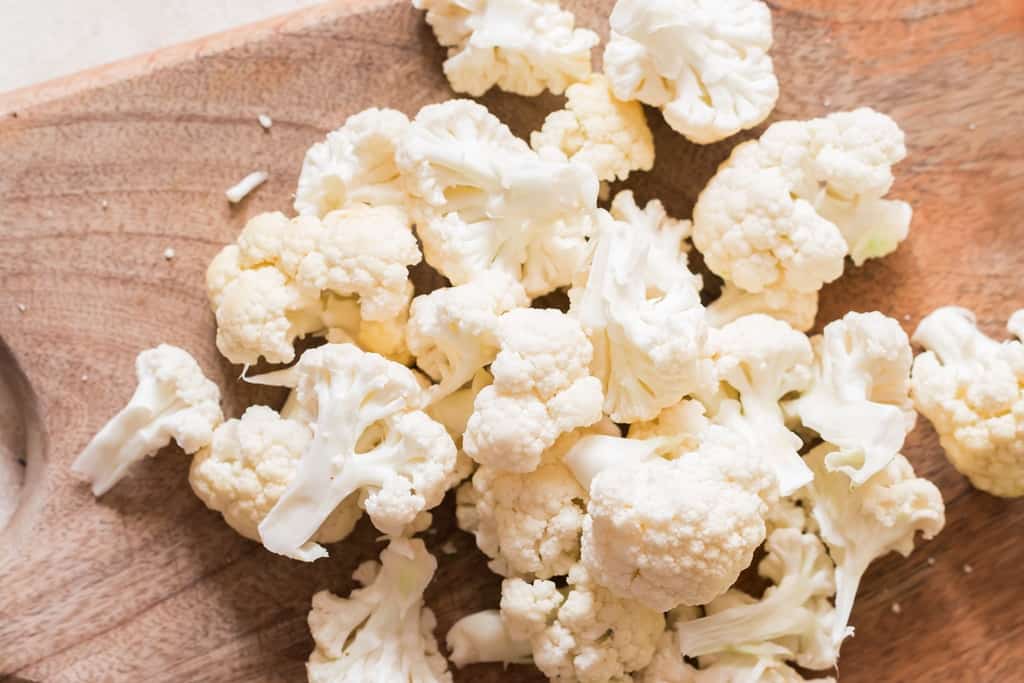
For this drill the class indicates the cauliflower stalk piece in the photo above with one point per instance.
(249, 465)
(381, 633)
(355, 164)
(522, 46)
(369, 439)
(763, 360)
(799, 309)
(640, 306)
(542, 389)
(173, 400)
(581, 632)
(971, 387)
(453, 331)
(608, 135)
(482, 637)
(666, 528)
(860, 398)
(486, 201)
(282, 279)
(864, 523)
(705, 63)
(793, 620)
(529, 524)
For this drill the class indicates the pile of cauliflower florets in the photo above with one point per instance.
(620, 462)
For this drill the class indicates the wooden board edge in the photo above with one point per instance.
(20, 99)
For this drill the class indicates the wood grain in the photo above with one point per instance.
(101, 172)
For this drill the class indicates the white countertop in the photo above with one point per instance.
(44, 39)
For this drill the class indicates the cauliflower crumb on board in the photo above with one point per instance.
(621, 463)
(21, 308)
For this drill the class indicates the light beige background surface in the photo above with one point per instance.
(43, 39)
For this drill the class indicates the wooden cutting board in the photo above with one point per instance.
(101, 172)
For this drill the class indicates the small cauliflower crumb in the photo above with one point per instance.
(169, 253)
(104, 204)
(448, 548)
(241, 190)
(22, 308)
(968, 569)
(265, 121)
(971, 126)
(931, 561)
(85, 378)
(896, 609)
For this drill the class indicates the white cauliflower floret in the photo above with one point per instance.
(381, 633)
(640, 307)
(764, 359)
(596, 129)
(486, 201)
(754, 234)
(705, 63)
(582, 632)
(522, 46)
(482, 637)
(453, 331)
(173, 400)
(529, 524)
(369, 438)
(864, 523)
(796, 308)
(793, 618)
(278, 283)
(666, 532)
(249, 465)
(971, 387)
(860, 399)
(542, 388)
(355, 164)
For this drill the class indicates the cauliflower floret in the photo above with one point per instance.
(453, 331)
(583, 632)
(369, 438)
(250, 463)
(529, 524)
(640, 307)
(596, 129)
(276, 284)
(860, 399)
(794, 617)
(705, 63)
(486, 201)
(864, 523)
(764, 359)
(666, 532)
(482, 637)
(542, 388)
(796, 308)
(971, 387)
(173, 400)
(381, 633)
(522, 46)
(355, 164)
(754, 234)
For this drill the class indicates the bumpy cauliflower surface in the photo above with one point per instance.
(355, 164)
(666, 531)
(485, 201)
(173, 400)
(971, 387)
(249, 465)
(370, 438)
(799, 309)
(860, 398)
(640, 306)
(597, 129)
(522, 46)
(381, 633)
(276, 284)
(581, 632)
(705, 63)
(453, 331)
(861, 524)
(542, 389)
(529, 524)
